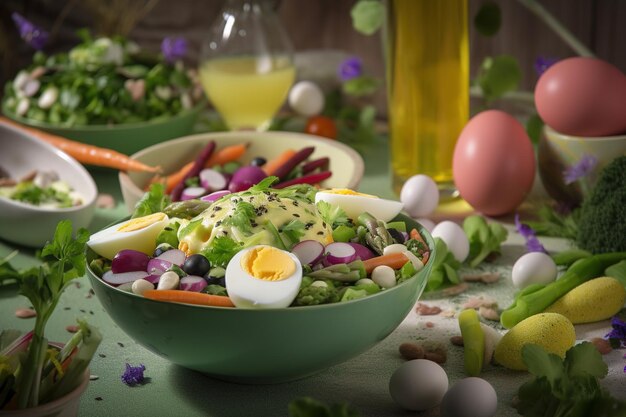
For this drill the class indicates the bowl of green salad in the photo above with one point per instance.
(106, 92)
(40, 186)
(264, 285)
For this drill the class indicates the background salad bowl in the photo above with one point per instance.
(345, 163)
(31, 225)
(263, 346)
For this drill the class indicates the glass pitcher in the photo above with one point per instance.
(246, 64)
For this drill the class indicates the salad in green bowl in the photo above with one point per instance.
(103, 81)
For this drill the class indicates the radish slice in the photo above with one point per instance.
(193, 283)
(174, 256)
(128, 260)
(158, 266)
(191, 193)
(214, 196)
(362, 252)
(308, 251)
(340, 253)
(116, 279)
(212, 180)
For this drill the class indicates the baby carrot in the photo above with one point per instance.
(271, 166)
(227, 154)
(84, 153)
(189, 297)
(392, 260)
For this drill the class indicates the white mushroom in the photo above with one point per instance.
(48, 97)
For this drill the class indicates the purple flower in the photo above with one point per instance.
(617, 336)
(33, 35)
(580, 169)
(133, 375)
(173, 48)
(532, 243)
(351, 68)
(542, 64)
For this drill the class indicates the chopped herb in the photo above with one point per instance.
(222, 250)
(154, 201)
(242, 215)
(333, 215)
(294, 230)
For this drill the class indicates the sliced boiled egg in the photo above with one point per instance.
(355, 203)
(263, 277)
(139, 234)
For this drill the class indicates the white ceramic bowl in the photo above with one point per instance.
(30, 225)
(558, 151)
(345, 163)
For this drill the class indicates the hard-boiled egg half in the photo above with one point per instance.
(355, 203)
(263, 277)
(138, 234)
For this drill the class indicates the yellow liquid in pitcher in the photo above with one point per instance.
(428, 86)
(247, 91)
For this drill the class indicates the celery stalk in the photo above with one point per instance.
(473, 341)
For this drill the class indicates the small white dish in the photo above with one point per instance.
(30, 225)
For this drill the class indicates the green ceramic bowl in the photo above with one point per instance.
(126, 138)
(263, 346)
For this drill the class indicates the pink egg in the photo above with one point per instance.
(583, 97)
(494, 163)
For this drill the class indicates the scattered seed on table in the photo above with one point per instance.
(91, 312)
(455, 290)
(603, 345)
(25, 313)
(427, 310)
(457, 340)
(82, 310)
(102, 355)
(72, 328)
(120, 344)
(429, 324)
(450, 313)
(486, 278)
(93, 377)
(67, 308)
(77, 284)
(436, 357)
(410, 351)
(98, 398)
(489, 313)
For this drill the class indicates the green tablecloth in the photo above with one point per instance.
(362, 381)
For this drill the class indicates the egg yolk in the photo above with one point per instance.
(346, 191)
(268, 264)
(141, 222)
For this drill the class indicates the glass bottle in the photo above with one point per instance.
(428, 87)
(246, 64)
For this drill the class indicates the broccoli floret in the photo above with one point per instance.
(602, 222)
(314, 295)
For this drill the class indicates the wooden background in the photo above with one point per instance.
(326, 24)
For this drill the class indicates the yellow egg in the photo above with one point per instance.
(552, 331)
(138, 234)
(355, 203)
(595, 300)
(263, 277)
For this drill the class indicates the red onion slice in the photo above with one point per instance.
(308, 251)
(340, 253)
(193, 283)
(158, 266)
(174, 256)
(128, 260)
(117, 279)
(362, 252)
(214, 196)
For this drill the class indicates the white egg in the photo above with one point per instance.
(470, 397)
(263, 277)
(454, 237)
(533, 268)
(420, 195)
(306, 98)
(354, 203)
(138, 234)
(418, 385)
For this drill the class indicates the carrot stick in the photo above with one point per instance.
(84, 153)
(271, 166)
(226, 155)
(392, 260)
(189, 297)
